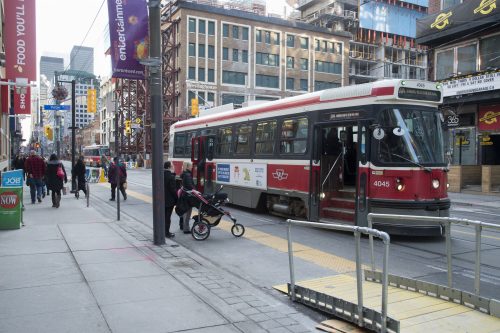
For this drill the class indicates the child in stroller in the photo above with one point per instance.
(210, 212)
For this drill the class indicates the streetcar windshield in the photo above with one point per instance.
(405, 135)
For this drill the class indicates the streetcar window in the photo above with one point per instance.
(243, 139)
(224, 141)
(179, 143)
(294, 136)
(264, 137)
(187, 147)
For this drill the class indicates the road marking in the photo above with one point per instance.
(473, 234)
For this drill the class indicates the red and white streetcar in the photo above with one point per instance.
(333, 155)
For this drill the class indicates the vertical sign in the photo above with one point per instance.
(91, 101)
(20, 39)
(22, 102)
(128, 31)
(10, 207)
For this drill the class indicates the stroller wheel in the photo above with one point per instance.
(200, 230)
(237, 230)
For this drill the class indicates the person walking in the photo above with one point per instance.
(117, 170)
(55, 175)
(187, 184)
(170, 195)
(104, 164)
(78, 174)
(35, 169)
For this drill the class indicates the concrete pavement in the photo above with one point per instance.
(76, 269)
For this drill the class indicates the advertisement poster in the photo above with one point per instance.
(10, 207)
(242, 174)
(12, 178)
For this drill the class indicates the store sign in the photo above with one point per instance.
(489, 117)
(452, 120)
(12, 178)
(471, 85)
(22, 102)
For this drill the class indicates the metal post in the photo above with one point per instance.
(41, 134)
(359, 278)
(156, 122)
(73, 133)
(117, 154)
(370, 237)
(385, 285)
(477, 278)
(448, 254)
(58, 127)
(290, 260)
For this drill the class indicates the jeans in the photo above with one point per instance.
(36, 189)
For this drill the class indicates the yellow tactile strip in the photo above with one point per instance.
(416, 312)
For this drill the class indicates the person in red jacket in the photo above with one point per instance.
(35, 170)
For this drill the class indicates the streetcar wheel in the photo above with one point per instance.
(200, 231)
(237, 230)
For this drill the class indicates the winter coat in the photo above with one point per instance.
(187, 180)
(169, 188)
(78, 172)
(54, 183)
(112, 173)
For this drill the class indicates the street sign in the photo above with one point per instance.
(57, 107)
(138, 120)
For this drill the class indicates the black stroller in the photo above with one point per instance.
(210, 212)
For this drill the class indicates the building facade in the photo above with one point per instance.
(464, 56)
(232, 56)
(107, 114)
(5, 102)
(82, 59)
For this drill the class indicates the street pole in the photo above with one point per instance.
(156, 122)
(73, 133)
(41, 133)
(58, 127)
(117, 154)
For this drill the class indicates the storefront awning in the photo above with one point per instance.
(457, 21)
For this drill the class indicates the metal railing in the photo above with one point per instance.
(446, 222)
(359, 279)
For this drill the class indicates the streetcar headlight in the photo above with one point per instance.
(403, 83)
(399, 184)
(447, 185)
(435, 183)
(322, 195)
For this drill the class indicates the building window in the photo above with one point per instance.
(264, 137)
(201, 74)
(444, 65)
(211, 52)
(211, 75)
(233, 77)
(243, 137)
(244, 33)
(304, 64)
(290, 83)
(324, 46)
(192, 25)
(225, 53)
(338, 47)
(192, 73)
(211, 28)
(266, 59)
(317, 48)
(321, 85)
(192, 50)
(235, 55)
(467, 59)
(304, 43)
(268, 81)
(201, 26)
(328, 67)
(211, 96)
(294, 136)
(488, 52)
(290, 62)
(445, 4)
(225, 30)
(201, 50)
(276, 38)
(267, 36)
(236, 32)
(224, 141)
(331, 47)
(244, 56)
(290, 40)
(304, 85)
(258, 36)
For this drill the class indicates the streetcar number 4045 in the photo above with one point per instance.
(381, 183)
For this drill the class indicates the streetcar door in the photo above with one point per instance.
(337, 168)
(198, 158)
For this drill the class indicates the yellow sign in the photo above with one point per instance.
(91, 101)
(463, 141)
(138, 120)
(442, 20)
(194, 107)
(487, 143)
(486, 7)
(490, 117)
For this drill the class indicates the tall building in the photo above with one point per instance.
(82, 59)
(49, 65)
(233, 56)
(464, 57)
(383, 44)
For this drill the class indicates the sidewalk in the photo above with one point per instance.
(473, 199)
(75, 269)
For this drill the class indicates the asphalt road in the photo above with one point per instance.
(262, 261)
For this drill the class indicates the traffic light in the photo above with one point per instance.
(194, 107)
(91, 101)
(128, 130)
(48, 132)
(37, 145)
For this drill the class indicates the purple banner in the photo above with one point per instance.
(128, 30)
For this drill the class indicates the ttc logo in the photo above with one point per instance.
(280, 174)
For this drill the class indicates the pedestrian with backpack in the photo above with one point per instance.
(55, 175)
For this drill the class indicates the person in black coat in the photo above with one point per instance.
(170, 195)
(54, 182)
(78, 173)
(187, 184)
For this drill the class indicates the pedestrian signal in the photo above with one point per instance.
(91, 101)
(194, 107)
